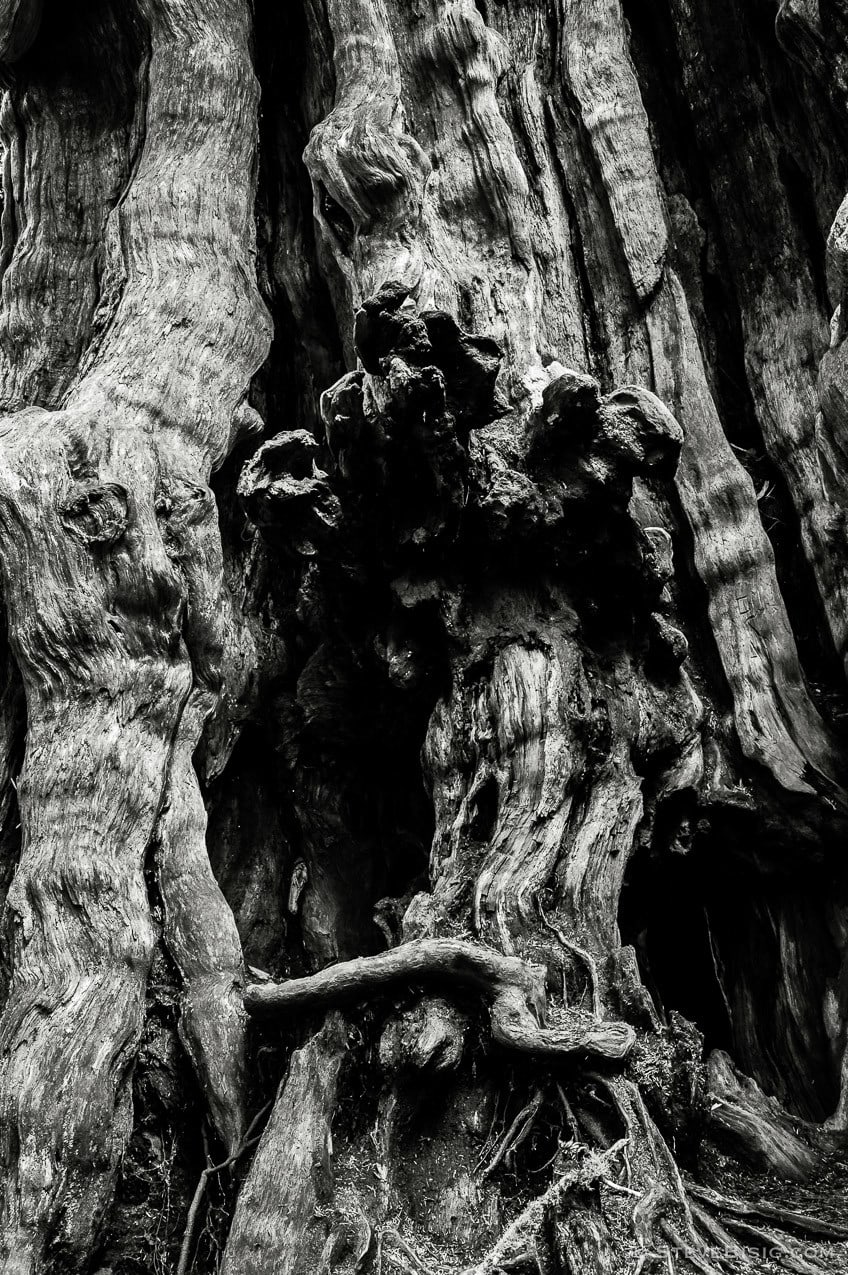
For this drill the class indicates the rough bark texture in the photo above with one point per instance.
(423, 489)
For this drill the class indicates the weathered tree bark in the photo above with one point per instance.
(422, 530)
(118, 622)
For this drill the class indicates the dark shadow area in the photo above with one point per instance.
(746, 954)
(664, 916)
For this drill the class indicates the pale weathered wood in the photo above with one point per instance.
(112, 582)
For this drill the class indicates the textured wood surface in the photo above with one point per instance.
(112, 579)
(422, 539)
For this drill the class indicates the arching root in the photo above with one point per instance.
(515, 990)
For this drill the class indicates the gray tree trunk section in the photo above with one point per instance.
(423, 480)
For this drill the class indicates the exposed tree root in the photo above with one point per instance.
(582, 955)
(738, 1229)
(389, 1234)
(790, 1219)
(630, 1192)
(688, 1249)
(778, 1247)
(250, 1140)
(277, 1222)
(717, 1236)
(514, 988)
(662, 1213)
(516, 1132)
(519, 1239)
(755, 1125)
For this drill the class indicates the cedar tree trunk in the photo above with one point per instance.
(424, 562)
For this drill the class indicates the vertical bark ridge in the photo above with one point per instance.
(368, 173)
(776, 722)
(777, 285)
(469, 236)
(599, 71)
(201, 936)
(534, 718)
